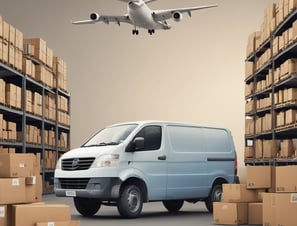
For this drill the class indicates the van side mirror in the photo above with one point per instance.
(136, 145)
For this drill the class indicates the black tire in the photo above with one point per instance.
(87, 207)
(173, 205)
(214, 196)
(130, 202)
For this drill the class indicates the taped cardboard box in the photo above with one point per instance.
(255, 213)
(16, 165)
(60, 223)
(22, 214)
(4, 215)
(258, 177)
(230, 213)
(286, 178)
(269, 209)
(12, 190)
(239, 193)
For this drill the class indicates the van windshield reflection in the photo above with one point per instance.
(111, 136)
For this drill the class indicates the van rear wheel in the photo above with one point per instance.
(173, 205)
(214, 196)
(87, 207)
(130, 202)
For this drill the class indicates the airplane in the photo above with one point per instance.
(141, 16)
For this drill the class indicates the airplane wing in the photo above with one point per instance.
(106, 19)
(161, 15)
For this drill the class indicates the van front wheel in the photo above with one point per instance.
(173, 205)
(130, 202)
(214, 196)
(87, 207)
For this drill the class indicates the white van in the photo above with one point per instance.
(128, 164)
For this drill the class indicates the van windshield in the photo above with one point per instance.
(111, 135)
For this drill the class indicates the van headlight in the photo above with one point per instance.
(106, 161)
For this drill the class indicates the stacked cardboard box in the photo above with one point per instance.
(60, 73)
(20, 194)
(11, 45)
(13, 97)
(270, 110)
(50, 107)
(267, 198)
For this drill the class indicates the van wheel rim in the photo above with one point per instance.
(217, 196)
(133, 201)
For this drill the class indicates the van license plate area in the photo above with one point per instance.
(71, 193)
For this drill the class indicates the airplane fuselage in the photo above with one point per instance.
(142, 16)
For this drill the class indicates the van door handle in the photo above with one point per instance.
(162, 157)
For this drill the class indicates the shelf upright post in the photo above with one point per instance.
(42, 137)
(24, 106)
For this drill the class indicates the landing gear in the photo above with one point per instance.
(135, 32)
(151, 31)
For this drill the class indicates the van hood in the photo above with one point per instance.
(84, 152)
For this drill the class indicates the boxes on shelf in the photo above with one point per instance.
(39, 48)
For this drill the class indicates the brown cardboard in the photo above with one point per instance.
(269, 209)
(60, 223)
(30, 214)
(16, 165)
(258, 177)
(238, 193)
(255, 213)
(230, 213)
(4, 215)
(286, 178)
(12, 190)
(286, 208)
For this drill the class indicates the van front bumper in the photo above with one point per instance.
(100, 188)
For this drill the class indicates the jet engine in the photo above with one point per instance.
(177, 16)
(94, 16)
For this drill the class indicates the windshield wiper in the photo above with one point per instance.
(101, 144)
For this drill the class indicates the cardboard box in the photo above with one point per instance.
(4, 215)
(238, 193)
(60, 223)
(287, 148)
(22, 214)
(286, 208)
(258, 177)
(12, 190)
(255, 213)
(269, 209)
(286, 178)
(16, 165)
(230, 213)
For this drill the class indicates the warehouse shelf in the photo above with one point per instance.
(23, 118)
(263, 47)
(268, 96)
(287, 23)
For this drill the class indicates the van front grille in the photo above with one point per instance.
(74, 183)
(77, 164)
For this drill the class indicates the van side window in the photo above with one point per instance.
(152, 137)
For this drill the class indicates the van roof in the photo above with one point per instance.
(159, 122)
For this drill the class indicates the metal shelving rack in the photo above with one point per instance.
(22, 118)
(286, 132)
